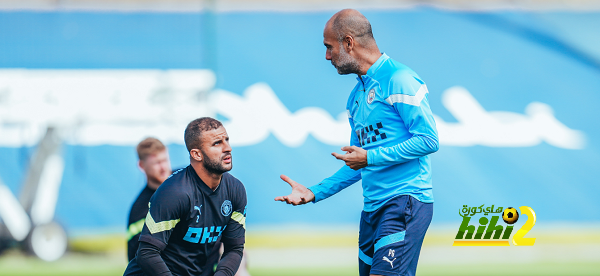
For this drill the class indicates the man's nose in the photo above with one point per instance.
(227, 147)
(327, 55)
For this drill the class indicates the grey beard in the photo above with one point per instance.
(346, 64)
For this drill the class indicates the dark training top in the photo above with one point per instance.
(185, 220)
(137, 215)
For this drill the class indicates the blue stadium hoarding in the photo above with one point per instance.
(514, 94)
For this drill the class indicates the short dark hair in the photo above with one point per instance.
(193, 131)
(149, 146)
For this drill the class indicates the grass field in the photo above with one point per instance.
(333, 254)
(76, 264)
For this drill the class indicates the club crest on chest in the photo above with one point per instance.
(226, 208)
(371, 96)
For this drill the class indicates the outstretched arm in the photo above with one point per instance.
(340, 180)
(328, 187)
(300, 194)
(355, 158)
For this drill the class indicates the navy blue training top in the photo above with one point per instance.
(186, 218)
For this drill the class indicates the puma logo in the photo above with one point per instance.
(391, 254)
(198, 216)
(388, 260)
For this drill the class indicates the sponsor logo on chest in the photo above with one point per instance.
(207, 234)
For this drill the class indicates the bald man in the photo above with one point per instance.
(393, 133)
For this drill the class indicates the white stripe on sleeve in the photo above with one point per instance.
(411, 100)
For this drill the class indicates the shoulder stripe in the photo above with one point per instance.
(411, 100)
(240, 218)
(155, 227)
(176, 172)
(349, 115)
(135, 228)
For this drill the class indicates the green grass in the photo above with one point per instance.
(105, 255)
(512, 269)
(15, 264)
(535, 269)
(343, 271)
(278, 239)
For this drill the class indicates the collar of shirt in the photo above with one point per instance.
(374, 68)
(203, 187)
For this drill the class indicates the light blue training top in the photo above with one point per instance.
(390, 117)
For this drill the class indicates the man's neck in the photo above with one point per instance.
(210, 179)
(368, 60)
(153, 184)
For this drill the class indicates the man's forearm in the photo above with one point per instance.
(337, 182)
(413, 148)
(150, 261)
(231, 259)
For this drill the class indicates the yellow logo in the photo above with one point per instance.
(489, 232)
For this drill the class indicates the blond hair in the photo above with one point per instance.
(148, 147)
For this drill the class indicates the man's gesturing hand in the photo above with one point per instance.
(355, 157)
(300, 194)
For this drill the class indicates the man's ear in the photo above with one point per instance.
(141, 167)
(348, 43)
(195, 154)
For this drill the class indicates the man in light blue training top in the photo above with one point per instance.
(393, 132)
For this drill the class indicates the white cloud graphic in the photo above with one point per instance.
(260, 112)
(95, 107)
(121, 107)
(476, 126)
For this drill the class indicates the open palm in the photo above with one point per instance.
(300, 194)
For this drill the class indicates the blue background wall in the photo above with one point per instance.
(535, 57)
